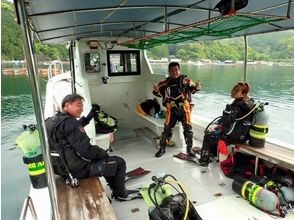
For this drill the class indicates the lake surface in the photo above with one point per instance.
(274, 84)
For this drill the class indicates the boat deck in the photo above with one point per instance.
(209, 190)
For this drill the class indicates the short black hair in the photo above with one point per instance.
(70, 98)
(173, 64)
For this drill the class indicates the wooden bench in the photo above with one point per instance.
(273, 153)
(87, 201)
(159, 125)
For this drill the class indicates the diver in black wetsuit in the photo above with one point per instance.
(176, 92)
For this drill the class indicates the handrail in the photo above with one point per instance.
(28, 203)
(53, 67)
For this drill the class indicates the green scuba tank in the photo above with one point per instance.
(259, 128)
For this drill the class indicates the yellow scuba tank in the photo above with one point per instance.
(259, 127)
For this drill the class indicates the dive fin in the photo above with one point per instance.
(184, 156)
(136, 173)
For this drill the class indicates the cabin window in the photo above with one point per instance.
(123, 63)
(92, 62)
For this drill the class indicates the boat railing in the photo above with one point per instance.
(28, 203)
(55, 67)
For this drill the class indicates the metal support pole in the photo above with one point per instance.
(245, 57)
(256, 165)
(289, 8)
(165, 19)
(134, 30)
(28, 204)
(33, 78)
(72, 68)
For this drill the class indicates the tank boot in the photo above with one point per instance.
(190, 151)
(160, 152)
(204, 158)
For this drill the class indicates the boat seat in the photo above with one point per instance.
(87, 201)
(273, 153)
(270, 152)
(158, 125)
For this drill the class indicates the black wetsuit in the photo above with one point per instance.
(83, 159)
(176, 97)
(237, 109)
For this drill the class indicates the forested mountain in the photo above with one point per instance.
(11, 39)
(272, 46)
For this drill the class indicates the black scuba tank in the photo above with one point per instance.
(259, 128)
(255, 194)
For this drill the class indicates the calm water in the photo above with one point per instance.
(274, 84)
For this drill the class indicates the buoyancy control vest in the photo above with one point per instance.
(62, 154)
(176, 90)
(259, 128)
(236, 121)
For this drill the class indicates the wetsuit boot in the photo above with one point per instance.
(190, 151)
(204, 158)
(160, 152)
(128, 195)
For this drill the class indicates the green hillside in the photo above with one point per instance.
(272, 46)
(11, 39)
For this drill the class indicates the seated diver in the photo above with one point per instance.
(83, 159)
(240, 107)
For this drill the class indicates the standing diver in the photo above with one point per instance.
(176, 92)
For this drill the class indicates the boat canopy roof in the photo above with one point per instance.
(58, 21)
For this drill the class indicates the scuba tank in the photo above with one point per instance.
(29, 143)
(255, 194)
(285, 193)
(264, 182)
(259, 128)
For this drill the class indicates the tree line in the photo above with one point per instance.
(273, 46)
(11, 39)
(269, 47)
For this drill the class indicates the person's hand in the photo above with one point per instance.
(186, 81)
(95, 108)
(155, 88)
(198, 85)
